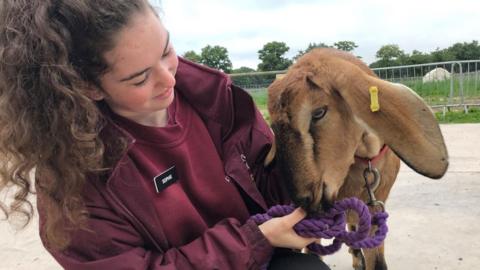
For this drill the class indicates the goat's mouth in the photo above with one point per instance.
(326, 204)
(314, 205)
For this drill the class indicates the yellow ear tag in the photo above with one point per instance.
(374, 105)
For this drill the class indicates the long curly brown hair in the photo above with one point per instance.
(51, 52)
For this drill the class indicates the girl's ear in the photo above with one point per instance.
(94, 93)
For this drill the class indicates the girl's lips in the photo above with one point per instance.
(165, 94)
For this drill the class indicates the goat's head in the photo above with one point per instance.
(320, 113)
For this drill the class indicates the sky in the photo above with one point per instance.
(245, 26)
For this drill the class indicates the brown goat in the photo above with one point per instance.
(324, 126)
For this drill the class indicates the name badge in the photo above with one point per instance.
(165, 179)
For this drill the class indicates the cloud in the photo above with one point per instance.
(243, 27)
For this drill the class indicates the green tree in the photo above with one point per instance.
(310, 47)
(442, 55)
(216, 57)
(345, 45)
(272, 57)
(246, 80)
(465, 51)
(416, 58)
(388, 55)
(192, 56)
(243, 70)
(389, 52)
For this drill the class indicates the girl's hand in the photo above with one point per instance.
(279, 231)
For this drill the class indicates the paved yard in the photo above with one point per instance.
(434, 224)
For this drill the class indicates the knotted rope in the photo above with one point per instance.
(332, 225)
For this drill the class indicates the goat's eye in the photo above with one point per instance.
(319, 113)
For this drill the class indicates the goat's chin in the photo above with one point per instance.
(304, 202)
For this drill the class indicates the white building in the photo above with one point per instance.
(437, 74)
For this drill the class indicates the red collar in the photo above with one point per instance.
(373, 160)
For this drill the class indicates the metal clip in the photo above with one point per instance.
(376, 177)
(373, 186)
(377, 203)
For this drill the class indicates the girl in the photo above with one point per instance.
(142, 160)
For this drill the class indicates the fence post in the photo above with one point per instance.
(460, 89)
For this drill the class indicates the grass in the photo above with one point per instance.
(457, 117)
(438, 92)
(260, 98)
(451, 117)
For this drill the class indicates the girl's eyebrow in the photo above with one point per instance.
(136, 74)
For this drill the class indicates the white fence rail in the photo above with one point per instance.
(443, 85)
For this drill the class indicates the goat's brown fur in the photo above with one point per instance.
(317, 156)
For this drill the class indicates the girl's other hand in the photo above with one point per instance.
(279, 231)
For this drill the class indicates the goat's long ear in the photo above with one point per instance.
(405, 122)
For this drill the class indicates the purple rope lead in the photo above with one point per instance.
(332, 225)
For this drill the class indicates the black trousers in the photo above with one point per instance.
(284, 259)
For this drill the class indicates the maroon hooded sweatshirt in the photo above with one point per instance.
(155, 209)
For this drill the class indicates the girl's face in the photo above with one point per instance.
(143, 63)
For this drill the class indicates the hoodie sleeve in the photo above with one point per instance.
(113, 243)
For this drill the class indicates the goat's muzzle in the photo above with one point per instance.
(312, 207)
